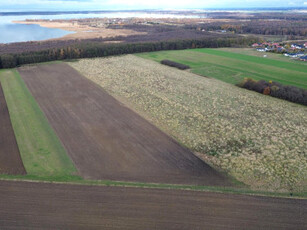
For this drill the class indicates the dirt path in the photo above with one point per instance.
(10, 160)
(105, 139)
(26, 205)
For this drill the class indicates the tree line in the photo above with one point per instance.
(283, 27)
(98, 49)
(275, 89)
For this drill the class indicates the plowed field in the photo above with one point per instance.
(107, 140)
(10, 160)
(27, 205)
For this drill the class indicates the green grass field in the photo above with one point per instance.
(233, 67)
(254, 52)
(41, 151)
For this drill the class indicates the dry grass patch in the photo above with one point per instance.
(259, 140)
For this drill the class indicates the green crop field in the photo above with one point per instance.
(41, 151)
(233, 67)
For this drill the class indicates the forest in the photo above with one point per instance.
(257, 26)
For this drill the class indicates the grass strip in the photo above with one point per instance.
(76, 180)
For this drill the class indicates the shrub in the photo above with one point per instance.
(267, 91)
(275, 89)
(175, 64)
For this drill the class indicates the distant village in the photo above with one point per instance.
(297, 51)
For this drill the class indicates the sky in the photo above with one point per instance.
(23, 5)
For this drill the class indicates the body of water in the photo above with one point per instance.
(13, 32)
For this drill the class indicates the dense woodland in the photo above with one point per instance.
(264, 27)
(98, 49)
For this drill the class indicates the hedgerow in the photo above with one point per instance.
(275, 89)
(175, 64)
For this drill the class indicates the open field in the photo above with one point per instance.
(254, 52)
(41, 151)
(10, 160)
(233, 67)
(27, 205)
(105, 139)
(259, 140)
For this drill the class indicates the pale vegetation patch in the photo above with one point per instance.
(259, 140)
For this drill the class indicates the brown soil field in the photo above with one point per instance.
(107, 140)
(10, 160)
(26, 205)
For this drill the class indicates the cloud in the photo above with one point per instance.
(142, 4)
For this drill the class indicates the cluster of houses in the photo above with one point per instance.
(298, 51)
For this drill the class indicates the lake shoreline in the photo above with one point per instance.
(80, 31)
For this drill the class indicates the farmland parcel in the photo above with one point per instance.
(234, 67)
(259, 140)
(27, 205)
(10, 160)
(105, 139)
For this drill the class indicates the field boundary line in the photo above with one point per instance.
(126, 184)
